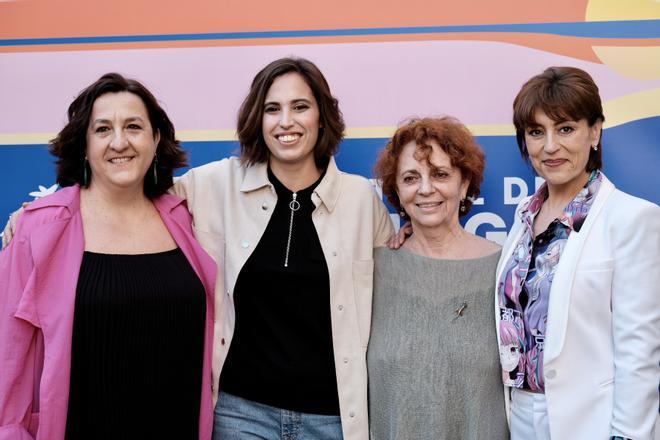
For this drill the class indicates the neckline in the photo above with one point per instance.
(448, 260)
(280, 188)
(150, 254)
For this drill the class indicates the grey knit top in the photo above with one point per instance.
(433, 361)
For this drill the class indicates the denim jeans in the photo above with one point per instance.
(239, 419)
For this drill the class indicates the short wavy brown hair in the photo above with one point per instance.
(562, 93)
(70, 145)
(331, 131)
(455, 140)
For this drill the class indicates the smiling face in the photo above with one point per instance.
(290, 124)
(429, 193)
(559, 150)
(120, 142)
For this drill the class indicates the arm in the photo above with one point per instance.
(383, 228)
(184, 187)
(21, 346)
(636, 323)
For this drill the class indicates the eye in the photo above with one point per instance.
(440, 174)
(101, 129)
(300, 107)
(409, 179)
(566, 129)
(271, 109)
(134, 127)
(534, 132)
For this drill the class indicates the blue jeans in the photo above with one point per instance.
(239, 419)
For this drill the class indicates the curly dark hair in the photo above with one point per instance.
(70, 145)
(250, 115)
(450, 135)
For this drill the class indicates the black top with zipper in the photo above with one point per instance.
(281, 352)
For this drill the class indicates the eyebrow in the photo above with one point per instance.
(107, 121)
(293, 101)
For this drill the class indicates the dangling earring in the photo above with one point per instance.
(402, 213)
(462, 204)
(155, 170)
(85, 173)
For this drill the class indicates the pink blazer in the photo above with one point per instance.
(38, 279)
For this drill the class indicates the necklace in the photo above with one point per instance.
(294, 205)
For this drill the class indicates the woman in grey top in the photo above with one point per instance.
(432, 359)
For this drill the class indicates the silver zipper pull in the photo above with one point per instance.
(294, 205)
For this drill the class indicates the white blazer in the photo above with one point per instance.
(602, 348)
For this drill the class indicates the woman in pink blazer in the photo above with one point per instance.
(106, 299)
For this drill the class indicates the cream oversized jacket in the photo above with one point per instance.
(232, 204)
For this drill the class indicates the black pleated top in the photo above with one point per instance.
(137, 349)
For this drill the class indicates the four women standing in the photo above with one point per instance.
(294, 239)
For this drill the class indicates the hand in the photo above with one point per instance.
(397, 240)
(10, 227)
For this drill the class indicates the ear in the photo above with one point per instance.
(596, 131)
(465, 184)
(157, 137)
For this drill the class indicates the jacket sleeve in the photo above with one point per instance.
(636, 323)
(184, 187)
(21, 343)
(383, 227)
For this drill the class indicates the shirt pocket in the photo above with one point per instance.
(363, 279)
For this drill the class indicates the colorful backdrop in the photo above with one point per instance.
(385, 61)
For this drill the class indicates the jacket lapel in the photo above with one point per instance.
(562, 284)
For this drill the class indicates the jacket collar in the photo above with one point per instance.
(167, 202)
(69, 197)
(256, 177)
(330, 187)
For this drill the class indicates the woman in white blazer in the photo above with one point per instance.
(577, 304)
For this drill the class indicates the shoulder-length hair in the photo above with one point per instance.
(70, 145)
(250, 115)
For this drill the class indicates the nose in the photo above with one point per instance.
(551, 143)
(425, 187)
(119, 140)
(286, 120)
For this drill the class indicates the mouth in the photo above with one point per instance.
(288, 138)
(120, 159)
(428, 205)
(554, 162)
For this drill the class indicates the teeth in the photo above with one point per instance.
(120, 159)
(288, 137)
(427, 205)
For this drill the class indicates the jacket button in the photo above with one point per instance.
(245, 244)
(264, 207)
(550, 374)
(222, 341)
(351, 414)
(345, 360)
(334, 253)
(340, 307)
